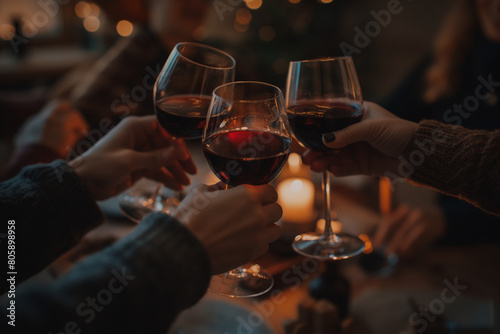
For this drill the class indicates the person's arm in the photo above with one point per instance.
(52, 210)
(463, 163)
(138, 285)
(451, 159)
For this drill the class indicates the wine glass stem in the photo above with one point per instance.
(328, 235)
(154, 196)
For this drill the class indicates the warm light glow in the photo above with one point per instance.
(326, 1)
(294, 162)
(240, 27)
(296, 186)
(7, 31)
(296, 197)
(385, 195)
(124, 28)
(336, 226)
(254, 4)
(368, 244)
(294, 1)
(95, 10)
(91, 23)
(267, 33)
(82, 9)
(243, 16)
(200, 33)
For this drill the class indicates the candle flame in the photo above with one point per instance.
(368, 243)
(294, 162)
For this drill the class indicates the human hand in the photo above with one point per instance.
(234, 225)
(406, 231)
(136, 148)
(369, 147)
(57, 126)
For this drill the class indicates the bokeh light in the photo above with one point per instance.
(82, 9)
(253, 4)
(91, 23)
(124, 28)
(7, 31)
(267, 33)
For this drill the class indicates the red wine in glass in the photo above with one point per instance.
(183, 116)
(311, 119)
(246, 156)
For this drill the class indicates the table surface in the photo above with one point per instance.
(378, 304)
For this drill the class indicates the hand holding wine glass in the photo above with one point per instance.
(246, 141)
(232, 234)
(370, 147)
(182, 95)
(324, 96)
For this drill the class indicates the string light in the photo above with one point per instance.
(124, 28)
(91, 23)
(82, 9)
(254, 4)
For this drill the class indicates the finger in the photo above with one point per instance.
(264, 194)
(178, 172)
(216, 187)
(358, 132)
(273, 212)
(160, 158)
(273, 232)
(308, 157)
(388, 224)
(400, 237)
(164, 177)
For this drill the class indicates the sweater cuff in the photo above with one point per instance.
(429, 153)
(181, 262)
(67, 196)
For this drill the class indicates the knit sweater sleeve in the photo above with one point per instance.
(137, 285)
(459, 162)
(52, 209)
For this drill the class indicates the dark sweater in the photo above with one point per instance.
(138, 285)
(482, 61)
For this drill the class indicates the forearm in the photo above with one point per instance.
(138, 285)
(52, 210)
(459, 162)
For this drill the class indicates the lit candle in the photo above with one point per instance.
(385, 195)
(296, 197)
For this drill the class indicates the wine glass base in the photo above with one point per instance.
(316, 246)
(249, 280)
(136, 204)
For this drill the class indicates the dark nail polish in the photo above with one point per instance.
(329, 137)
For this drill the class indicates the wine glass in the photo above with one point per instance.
(182, 95)
(323, 96)
(246, 141)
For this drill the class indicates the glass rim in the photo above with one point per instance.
(205, 46)
(324, 59)
(277, 91)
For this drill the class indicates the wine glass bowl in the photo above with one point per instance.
(246, 140)
(183, 90)
(182, 95)
(323, 96)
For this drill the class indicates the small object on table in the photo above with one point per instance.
(332, 286)
(326, 319)
(315, 317)
(378, 263)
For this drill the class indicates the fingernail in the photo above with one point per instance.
(329, 137)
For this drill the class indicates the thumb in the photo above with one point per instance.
(352, 134)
